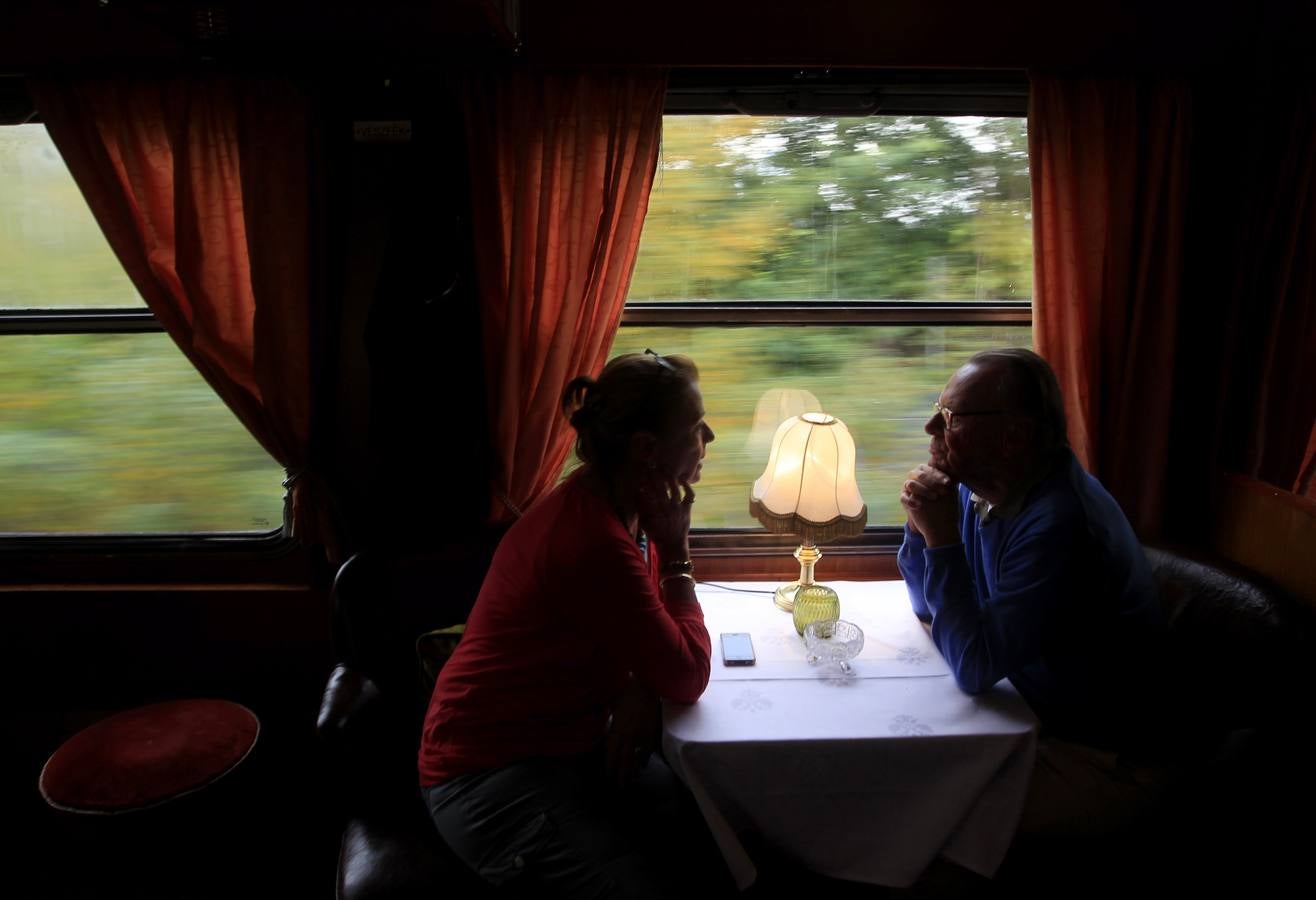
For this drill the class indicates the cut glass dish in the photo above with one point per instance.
(833, 641)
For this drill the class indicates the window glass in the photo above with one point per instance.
(880, 380)
(118, 433)
(52, 252)
(808, 209)
(821, 208)
(104, 432)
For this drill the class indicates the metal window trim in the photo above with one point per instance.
(847, 92)
(46, 320)
(741, 542)
(686, 313)
(264, 544)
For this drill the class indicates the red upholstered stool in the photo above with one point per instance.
(149, 755)
(131, 780)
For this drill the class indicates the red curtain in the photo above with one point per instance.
(1305, 484)
(1270, 362)
(1109, 174)
(201, 187)
(561, 166)
(1175, 295)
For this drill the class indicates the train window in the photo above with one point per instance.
(824, 262)
(105, 428)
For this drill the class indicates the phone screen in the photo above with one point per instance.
(737, 649)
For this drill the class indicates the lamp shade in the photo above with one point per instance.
(809, 486)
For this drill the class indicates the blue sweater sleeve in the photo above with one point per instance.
(910, 561)
(986, 631)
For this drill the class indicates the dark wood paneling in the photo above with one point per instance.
(937, 33)
(825, 33)
(1267, 530)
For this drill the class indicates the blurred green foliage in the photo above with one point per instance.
(118, 433)
(104, 432)
(115, 433)
(52, 252)
(805, 208)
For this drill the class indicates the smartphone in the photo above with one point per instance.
(737, 649)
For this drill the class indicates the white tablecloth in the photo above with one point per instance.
(895, 644)
(861, 778)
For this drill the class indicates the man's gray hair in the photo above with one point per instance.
(1029, 387)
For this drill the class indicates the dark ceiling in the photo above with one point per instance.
(1007, 34)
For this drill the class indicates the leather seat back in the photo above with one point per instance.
(1238, 647)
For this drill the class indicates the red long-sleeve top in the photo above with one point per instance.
(569, 609)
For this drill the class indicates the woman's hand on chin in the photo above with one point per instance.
(663, 504)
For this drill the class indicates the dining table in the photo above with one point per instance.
(867, 775)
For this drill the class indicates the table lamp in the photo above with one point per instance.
(809, 488)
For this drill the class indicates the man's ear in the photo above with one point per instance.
(1020, 435)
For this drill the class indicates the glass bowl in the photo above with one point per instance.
(833, 641)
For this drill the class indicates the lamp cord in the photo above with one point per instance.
(726, 587)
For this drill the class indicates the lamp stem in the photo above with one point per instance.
(808, 555)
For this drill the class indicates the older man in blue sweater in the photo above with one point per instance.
(1026, 569)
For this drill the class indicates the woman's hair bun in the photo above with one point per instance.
(576, 396)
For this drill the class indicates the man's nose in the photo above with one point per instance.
(934, 424)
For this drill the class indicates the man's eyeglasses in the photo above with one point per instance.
(949, 417)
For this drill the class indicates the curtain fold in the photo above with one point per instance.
(1305, 483)
(561, 166)
(1175, 293)
(1109, 173)
(1271, 363)
(201, 188)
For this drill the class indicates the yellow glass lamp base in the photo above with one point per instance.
(805, 589)
(815, 603)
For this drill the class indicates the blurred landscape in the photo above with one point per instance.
(104, 432)
(117, 433)
(879, 208)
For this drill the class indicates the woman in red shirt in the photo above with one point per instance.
(589, 601)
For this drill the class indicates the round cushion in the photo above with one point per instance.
(148, 755)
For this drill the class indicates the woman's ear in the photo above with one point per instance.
(644, 450)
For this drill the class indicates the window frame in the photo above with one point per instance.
(273, 544)
(751, 553)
